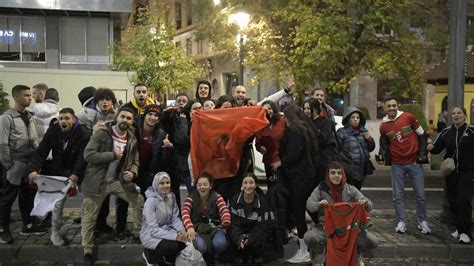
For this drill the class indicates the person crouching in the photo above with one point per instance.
(162, 234)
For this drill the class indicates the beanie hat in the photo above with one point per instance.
(85, 94)
(152, 108)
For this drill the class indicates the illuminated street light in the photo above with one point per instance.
(242, 20)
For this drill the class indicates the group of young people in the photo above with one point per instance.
(141, 152)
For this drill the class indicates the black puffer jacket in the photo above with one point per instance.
(464, 137)
(258, 225)
(353, 141)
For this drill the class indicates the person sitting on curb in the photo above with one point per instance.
(335, 189)
(162, 233)
(205, 216)
(253, 222)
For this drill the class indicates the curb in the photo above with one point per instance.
(115, 253)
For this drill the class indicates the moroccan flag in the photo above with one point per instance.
(218, 137)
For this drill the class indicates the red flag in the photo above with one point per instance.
(218, 136)
(72, 192)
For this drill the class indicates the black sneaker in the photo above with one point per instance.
(122, 234)
(88, 259)
(46, 223)
(6, 238)
(34, 230)
(104, 229)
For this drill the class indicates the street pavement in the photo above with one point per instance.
(411, 248)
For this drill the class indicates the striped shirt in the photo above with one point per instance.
(188, 206)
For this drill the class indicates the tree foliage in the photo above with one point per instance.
(150, 53)
(332, 41)
(416, 110)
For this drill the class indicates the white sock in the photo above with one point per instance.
(303, 246)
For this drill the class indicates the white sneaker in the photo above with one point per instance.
(464, 239)
(455, 234)
(360, 261)
(424, 228)
(300, 257)
(401, 227)
(57, 239)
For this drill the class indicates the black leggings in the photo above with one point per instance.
(299, 193)
(169, 249)
(459, 190)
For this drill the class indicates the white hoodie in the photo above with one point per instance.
(43, 114)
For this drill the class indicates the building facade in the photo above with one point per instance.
(51, 36)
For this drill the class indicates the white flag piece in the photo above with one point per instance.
(51, 189)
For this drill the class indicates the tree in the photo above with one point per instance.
(4, 103)
(152, 55)
(332, 41)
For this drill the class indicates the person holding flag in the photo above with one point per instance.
(66, 140)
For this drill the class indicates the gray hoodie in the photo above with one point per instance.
(161, 219)
(349, 194)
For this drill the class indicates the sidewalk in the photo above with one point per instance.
(393, 247)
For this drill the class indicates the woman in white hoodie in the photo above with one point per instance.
(162, 234)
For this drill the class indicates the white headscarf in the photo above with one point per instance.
(157, 179)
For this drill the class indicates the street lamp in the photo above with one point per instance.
(242, 20)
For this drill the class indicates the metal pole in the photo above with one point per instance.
(241, 60)
(457, 52)
(456, 76)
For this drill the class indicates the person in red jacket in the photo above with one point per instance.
(267, 141)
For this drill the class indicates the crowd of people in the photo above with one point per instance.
(142, 151)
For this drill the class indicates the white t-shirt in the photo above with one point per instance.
(119, 145)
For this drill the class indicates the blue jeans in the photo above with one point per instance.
(398, 186)
(219, 243)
